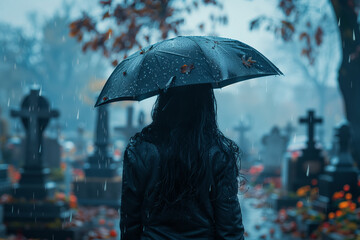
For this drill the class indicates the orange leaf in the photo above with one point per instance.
(114, 63)
(108, 2)
(186, 69)
(106, 15)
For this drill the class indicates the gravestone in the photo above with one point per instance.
(32, 203)
(129, 129)
(300, 171)
(5, 184)
(102, 185)
(274, 147)
(340, 172)
(80, 147)
(3, 135)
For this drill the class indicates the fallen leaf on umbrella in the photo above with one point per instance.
(247, 63)
(186, 69)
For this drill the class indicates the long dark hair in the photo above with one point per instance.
(185, 127)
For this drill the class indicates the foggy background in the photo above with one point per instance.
(36, 49)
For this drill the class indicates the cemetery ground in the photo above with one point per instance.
(52, 189)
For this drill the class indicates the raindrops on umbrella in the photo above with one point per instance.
(192, 60)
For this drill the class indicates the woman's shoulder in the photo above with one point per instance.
(141, 146)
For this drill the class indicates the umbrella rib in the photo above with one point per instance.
(176, 54)
(205, 60)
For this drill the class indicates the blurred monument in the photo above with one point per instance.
(80, 148)
(340, 174)
(274, 147)
(33, 207)
(5, 184)
(3, 135)
(130, 129)
(102, 184)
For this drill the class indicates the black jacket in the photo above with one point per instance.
(215, 215)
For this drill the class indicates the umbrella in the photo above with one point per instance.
(181, 61)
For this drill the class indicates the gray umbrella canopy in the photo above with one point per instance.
(181, 61)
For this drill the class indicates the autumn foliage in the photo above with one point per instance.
(130, 24)
(295, 24)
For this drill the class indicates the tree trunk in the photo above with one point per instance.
(349, 71)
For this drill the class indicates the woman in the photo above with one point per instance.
(180, 173)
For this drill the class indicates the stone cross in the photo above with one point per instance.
(311, 121)
(242, 129)
(35, 114)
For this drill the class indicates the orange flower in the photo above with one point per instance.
(346, 187)
(60, 196)
(301, 192)
(338, 195)
(348, 196)
(331, 215)
(339, 213)
(299, 204)
(113, 233)
(352, 206)
(344, 204)
(73, 201)
(314, 182)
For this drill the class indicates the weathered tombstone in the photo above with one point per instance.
(5, 184)
(80, 145)
(102, 185)
(340, 172)
(273, 152)
(129, 129)
(3, 135)
(32, 205)
(300, 171)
